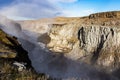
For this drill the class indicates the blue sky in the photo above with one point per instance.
(35, 9)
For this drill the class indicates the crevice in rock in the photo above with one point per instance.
(81, 34)
(112, 31)
(97, 52)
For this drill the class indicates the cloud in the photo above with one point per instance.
(64, 1)
(31, 9)
(35, 9)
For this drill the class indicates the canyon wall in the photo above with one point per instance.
(98, 45)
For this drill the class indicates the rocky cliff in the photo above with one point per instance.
(95, 44)
(94, 40)
(112, 14)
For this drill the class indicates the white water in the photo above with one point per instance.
(44, 61)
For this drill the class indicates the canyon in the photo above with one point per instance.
(75, 47)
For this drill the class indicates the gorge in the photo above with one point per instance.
(71, 48)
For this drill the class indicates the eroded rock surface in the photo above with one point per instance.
(78, 42)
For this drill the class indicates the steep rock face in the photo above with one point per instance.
(101, 43)
(63, 37)
(94, 44)
(93, 37)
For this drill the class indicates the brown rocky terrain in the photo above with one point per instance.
(93, 39)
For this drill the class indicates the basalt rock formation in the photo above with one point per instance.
(93, 40)
(113, 14)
